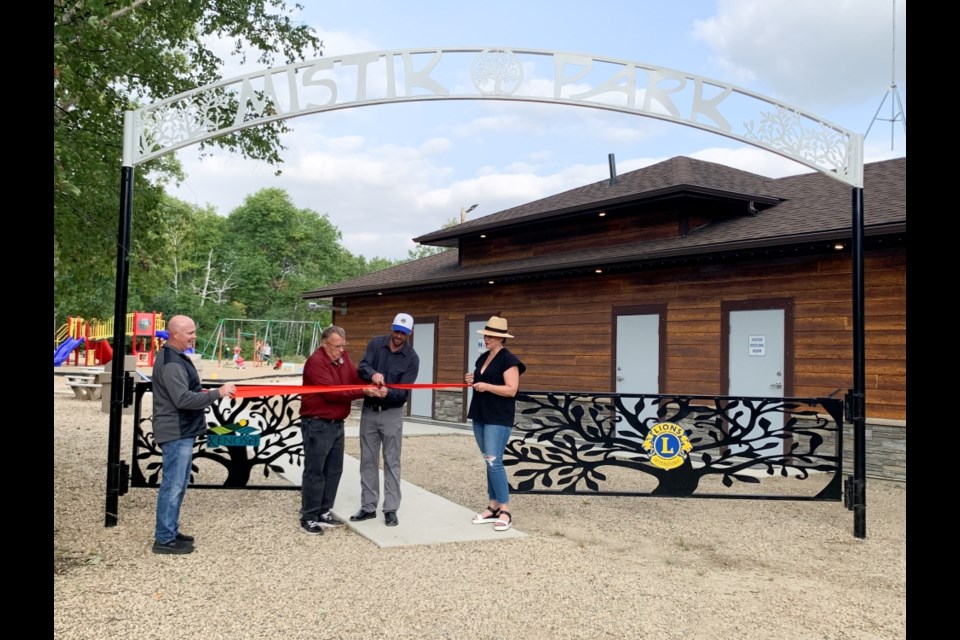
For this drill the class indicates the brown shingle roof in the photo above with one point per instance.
(811, 208)
(670, 177)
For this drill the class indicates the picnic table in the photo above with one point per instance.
(85, 385)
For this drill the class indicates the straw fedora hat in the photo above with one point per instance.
(496, 327)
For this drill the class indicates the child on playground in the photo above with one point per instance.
(237, 358)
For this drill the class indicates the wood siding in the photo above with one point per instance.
(551, 237)
(564, 326)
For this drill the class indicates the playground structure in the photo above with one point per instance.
(289, 339)
(87, 342)
(82, 342)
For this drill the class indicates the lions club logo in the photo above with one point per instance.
(667, 445)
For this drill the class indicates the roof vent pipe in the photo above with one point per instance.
(613, 170)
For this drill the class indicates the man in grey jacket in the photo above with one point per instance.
(179, 405)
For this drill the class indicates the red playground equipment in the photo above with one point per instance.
(144, 332)
(87, 343)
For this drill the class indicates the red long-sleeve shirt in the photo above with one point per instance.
(320, 371)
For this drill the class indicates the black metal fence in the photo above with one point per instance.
(677, 445)
(565, 443)
(249, 441)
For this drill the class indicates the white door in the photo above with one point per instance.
(473, 348)
(638, 360)
(756, 359)
(421, 400)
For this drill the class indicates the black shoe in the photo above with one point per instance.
(363, 515)
(182, 537)
(311, 527)
(174, 546)
(390, 518)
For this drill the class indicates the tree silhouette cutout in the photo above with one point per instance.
(275, 418)
(571, 442)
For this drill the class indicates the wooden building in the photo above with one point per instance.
(684, 277)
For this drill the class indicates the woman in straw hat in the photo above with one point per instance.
(495, 380)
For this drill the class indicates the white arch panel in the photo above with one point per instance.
(492, 73)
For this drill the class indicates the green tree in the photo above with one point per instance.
(277, 252)
(111, 56)
(422, 250)
(378, 264)
(193, 276)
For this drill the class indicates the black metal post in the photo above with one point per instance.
(119, 347)
(859, 498)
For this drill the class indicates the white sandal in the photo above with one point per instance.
(480, 519)
(501, 524)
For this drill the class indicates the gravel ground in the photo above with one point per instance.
(591, 567)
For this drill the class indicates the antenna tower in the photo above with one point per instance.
(896, 107)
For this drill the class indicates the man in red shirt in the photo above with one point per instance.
(321, 424)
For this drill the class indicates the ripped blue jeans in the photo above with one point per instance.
(492, 440)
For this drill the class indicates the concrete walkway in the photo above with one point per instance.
(430, 519)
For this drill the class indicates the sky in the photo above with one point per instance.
(385, 174)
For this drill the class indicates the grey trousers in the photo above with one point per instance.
(380, 430)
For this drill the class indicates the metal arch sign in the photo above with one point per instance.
(527, 75)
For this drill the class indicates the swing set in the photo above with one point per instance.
(288, 339)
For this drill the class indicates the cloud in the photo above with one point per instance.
(388, 173)
(753, 160)
(495, 123)
(816, 53)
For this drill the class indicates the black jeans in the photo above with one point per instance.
(322, 465)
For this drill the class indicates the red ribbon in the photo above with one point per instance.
(257, 391)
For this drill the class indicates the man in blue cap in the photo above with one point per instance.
(388, 359)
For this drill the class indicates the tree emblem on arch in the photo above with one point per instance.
(496, 72)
